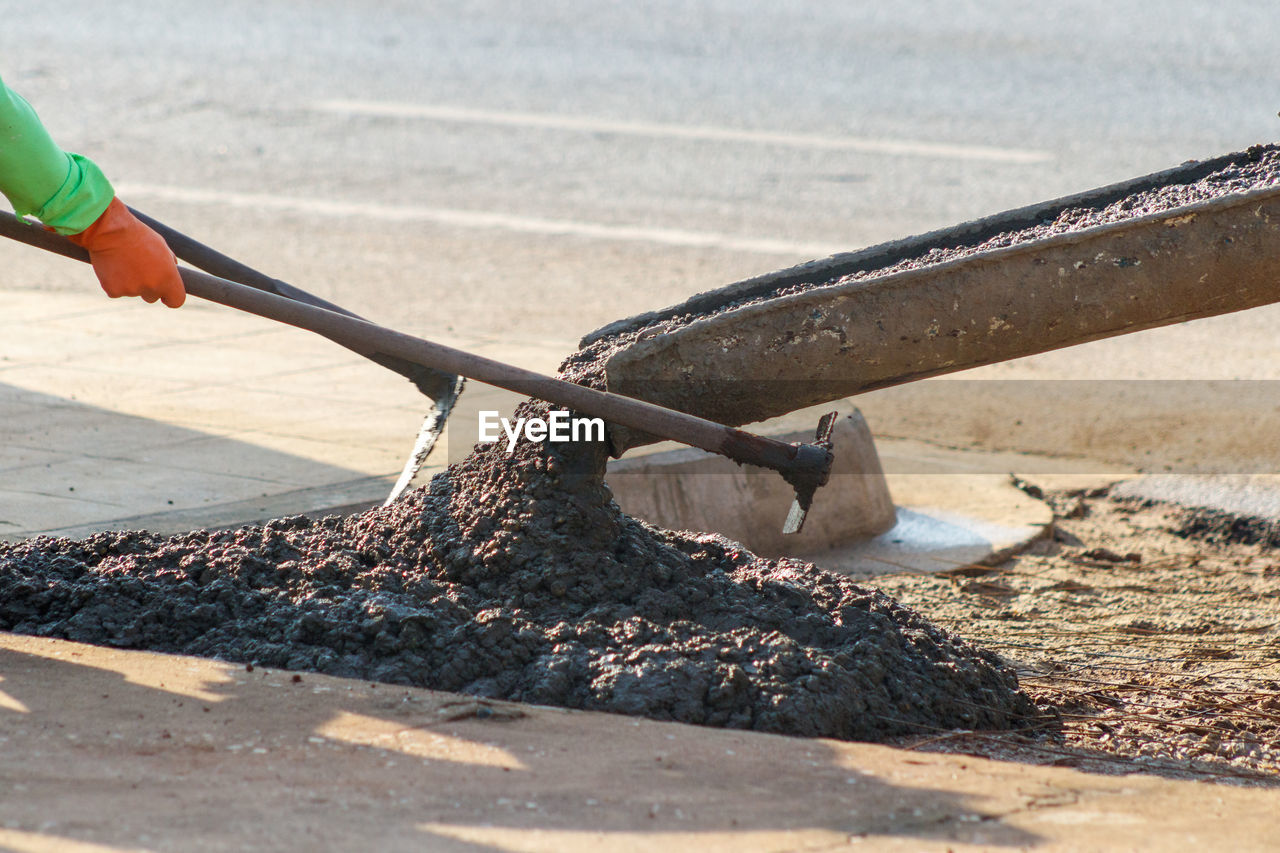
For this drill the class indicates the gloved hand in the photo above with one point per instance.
(130, 259)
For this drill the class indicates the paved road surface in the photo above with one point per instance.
(551, 166)
(539, 169)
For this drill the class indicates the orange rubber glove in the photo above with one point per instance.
(130, 259)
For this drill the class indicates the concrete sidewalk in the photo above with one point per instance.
(110, 750)
(120, 415)
(116, 414)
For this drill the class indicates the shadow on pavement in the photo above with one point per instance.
(125, 749)
(70, 469)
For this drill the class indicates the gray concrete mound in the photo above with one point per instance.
(517, 577)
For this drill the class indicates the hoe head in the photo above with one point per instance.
(442, 389)
(810, 468)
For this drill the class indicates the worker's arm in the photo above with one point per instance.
(70, 195)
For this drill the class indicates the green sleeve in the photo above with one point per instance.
(65, 191)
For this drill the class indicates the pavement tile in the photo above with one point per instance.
(281, 341)
(229, 360)
(236, 409)
(79, 429)
(277, 461)
(86, 385)
(218, 411)
(22, 307)
(337, 497)
(91, 314)
(16, 399)
(52, 347)
(13, 457)
(25, 512)
(352, 452)
(119, 324)
(76, 491)
(340, 381)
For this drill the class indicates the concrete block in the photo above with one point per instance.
(695, 490)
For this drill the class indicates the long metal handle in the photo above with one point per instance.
(214, 262)
(441, 388)
(361, 335)
(799, 464)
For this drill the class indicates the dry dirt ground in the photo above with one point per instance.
(1148, 634)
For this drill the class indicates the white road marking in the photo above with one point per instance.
(899, 147)
(479, 219)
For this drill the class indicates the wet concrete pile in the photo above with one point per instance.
(517, 577)
(1256, 168)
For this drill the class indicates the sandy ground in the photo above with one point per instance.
(1149, 649)
(108, 750)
